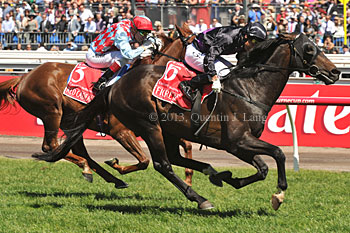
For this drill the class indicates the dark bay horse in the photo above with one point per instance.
(40, 93)
(249, 92)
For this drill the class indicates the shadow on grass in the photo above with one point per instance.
(137, 209)
(54, 205)
(98, 196)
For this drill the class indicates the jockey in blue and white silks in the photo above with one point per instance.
(111, 48)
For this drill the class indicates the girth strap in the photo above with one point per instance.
(265, 107)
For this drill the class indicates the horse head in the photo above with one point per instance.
(186, 35)
(311, 60)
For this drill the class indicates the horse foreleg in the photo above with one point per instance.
(248, 149)
(187, 146)
(80, 149)
(129, 141)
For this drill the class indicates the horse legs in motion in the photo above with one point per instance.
(187, 146)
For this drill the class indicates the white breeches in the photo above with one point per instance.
(195, 59)
(105, 60)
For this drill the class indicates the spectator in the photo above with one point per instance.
(62, 24)
(29, 47)
(8, 25)
(254, 14)
(85, 14)
(215, 23)
(310, 29)
(191, 25)
(201, 26)
(71, 46)
(300, 27)
(238, 21)
(158, 28)
(318, 41)
(73, 27)
(339, 31)
(41, 47)
(330, 6)
(102, 11)
(84, 48)
(18, 47)
(173, 34)
(328, 45)
(30, 26)
(89, 29)
(282, 26)
(111, 19)
(7, 9)
(345, 50)
(270, 26)
(54, 48)
(282, 14)
(45, 27)
(19, 27)
(100, 23)
(38, 17)
(291, 24)
(328, 27)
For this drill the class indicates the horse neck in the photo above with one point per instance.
(266, 86)
(175, 49)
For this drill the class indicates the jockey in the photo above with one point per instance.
(205, 50)
(111, 48)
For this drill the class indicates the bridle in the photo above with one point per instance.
(308, 65)
(297, 56)
(185, 42)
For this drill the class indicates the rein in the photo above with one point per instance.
(184, 42)
(312, 70)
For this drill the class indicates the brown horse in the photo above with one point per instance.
(40, 93)
(248, 94)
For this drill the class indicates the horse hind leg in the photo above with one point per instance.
(129, 141)
(187, 146)
(152, 134)
(50, 142)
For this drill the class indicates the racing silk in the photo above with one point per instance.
(116, 37)
(218, 41)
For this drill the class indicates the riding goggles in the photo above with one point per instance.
(144, 33)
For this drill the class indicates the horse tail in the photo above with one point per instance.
(7, 94)
(82, 120)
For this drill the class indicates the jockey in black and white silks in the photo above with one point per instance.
(205, 50)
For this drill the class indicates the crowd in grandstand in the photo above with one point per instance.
(32, 24)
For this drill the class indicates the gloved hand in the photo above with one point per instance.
(147, 44)
(216, 86)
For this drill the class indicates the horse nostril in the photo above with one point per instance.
(335, 72)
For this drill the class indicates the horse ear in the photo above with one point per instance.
(179, 30)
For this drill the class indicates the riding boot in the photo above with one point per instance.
(189, 86)
(107, 75)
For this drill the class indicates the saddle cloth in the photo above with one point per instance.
(167, 87)
(79, 83)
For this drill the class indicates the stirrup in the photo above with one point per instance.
(98, 86)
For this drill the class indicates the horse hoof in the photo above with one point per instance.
(112, 161)
(88, 177)
(121, 185)
(205, 206)
(277, 199)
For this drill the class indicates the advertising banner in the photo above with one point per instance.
(321, 126)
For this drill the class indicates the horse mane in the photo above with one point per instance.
(246, 65)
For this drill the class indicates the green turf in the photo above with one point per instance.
(42, 197)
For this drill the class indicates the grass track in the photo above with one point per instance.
(42, 197)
